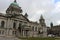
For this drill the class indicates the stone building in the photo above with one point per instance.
(14, 24)
(54, 30)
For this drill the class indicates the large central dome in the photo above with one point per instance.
(14, 8)
(15, 4)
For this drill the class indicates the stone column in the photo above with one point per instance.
(23, 33)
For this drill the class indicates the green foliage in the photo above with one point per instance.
(38, 38)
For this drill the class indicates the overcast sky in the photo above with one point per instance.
(50, 9)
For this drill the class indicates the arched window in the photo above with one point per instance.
(2, 24)
(14, 25)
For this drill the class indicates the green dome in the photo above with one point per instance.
(14, 4)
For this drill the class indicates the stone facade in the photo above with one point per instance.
(54, 30)
(14, 24)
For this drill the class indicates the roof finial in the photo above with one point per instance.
(26, 15)
(41, 17)
(14, 0)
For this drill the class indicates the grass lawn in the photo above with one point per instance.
(37, 38)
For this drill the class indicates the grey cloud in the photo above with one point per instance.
(32, 7)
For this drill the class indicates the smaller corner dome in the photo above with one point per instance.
(15, 4)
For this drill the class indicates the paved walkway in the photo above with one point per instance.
(9, 38)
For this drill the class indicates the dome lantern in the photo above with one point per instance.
(14, 0)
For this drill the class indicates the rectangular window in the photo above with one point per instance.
(32, 28)
(25, 22)
(35, 28)
(0, 32)
(14, 32)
